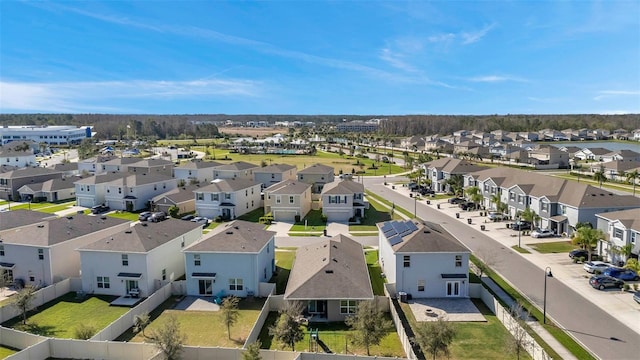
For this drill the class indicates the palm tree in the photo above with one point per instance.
(474, 195)
(599, 176)
(631, 177)
(587, 238)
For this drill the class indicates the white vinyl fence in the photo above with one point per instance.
(41, 297)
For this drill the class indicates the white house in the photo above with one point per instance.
(94, 164)
(44, 253)
(423, 259)
(195, 171)
(228, 198)
(274, 174)
(118, 164)
(232, 260)
(623, 229)
(51, 190)
(317, 175)
(137, 260)
(236, 170)
(91, 191)
(17, 155)
(343, 200)
(132, 192)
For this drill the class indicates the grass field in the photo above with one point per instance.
(124, 215)
(311, 223)
(553, 247)
(375, 272)
(389, 204)
(45, 207)
(6, 352)
(374, 214)
(59, 318)
(284, 263)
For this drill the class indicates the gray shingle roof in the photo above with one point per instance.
(101, 178)
(235, 237)
(139, 179)
(198, 164)
(17, 218)
(237, 166)
(428, 238)
(330, 269)
(122, 161)
(287, 187)
(143, 237)
(179, 195)
(55, 231)
(316, 169)
(275, 168)
(228, 185)
(630, 218)
(28, 172)
(152, 163)
(343, 187)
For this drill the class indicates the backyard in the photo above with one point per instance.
(284, 263)
(375, 272)
(5, 352)
(59, 318)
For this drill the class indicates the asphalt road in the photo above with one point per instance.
(601, 333)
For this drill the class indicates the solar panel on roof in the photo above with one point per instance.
(412, 227)
(400, 227)
(395, 240)
(386, 227)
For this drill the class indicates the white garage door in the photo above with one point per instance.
(284, 215)
(85, 202)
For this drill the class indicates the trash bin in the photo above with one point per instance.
(457, 215)
(393, 187)
(438, 206)
(403, 296)
(324, 232)
(482, 227)
(469, 221)
(410, 194)
(428, 202)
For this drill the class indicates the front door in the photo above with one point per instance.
(205, 287)
(226, 213)
(131, 284)
(453, 288)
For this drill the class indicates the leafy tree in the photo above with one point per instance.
(434, 337)
(369, 325)
(633, 264)
(530, 216)
(252, 352)
(230, 312)
(474, 195)
(519, 340)
(288, 330)
(23, 299)
(455, 183)
(174, 212)
(84, 331)
(599, 176)
(140, 322)
(631, 177)
(169, 339)
(587, 238)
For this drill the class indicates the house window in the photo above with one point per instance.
(196, 259)
(246, 192)
(290, 199)
(227, 196)
(407, 261)
(348, 306)
(40, 254)
(199, 196)
(273, 176)
(458, 260)
(545, 206)
(251, 203)
(119, 190)
(301, 177)
(632, 239)
(1, 250)
(512, 196)
(278, 199)
(264, 273)
(125, 260)
(563, 209)
(235, 285)
(164, 274)
(421, 285)
(103, 282)
(617, 233)
(215, 197)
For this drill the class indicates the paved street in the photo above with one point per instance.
(594, 327)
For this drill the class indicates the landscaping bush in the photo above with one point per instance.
(84, 331)
(324, 218)
(297, 218)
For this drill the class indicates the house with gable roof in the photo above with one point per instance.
(343, 200)
(228, 198)
(51, 190)
(237, 170)
(441, 170)
(43, 253)
(273, 174)
(18, 154)
(13, 180)
(423, 259)
(622, 228)
(231, 260)
(181, 197)
(331, 277)
(138, 260)
(317, 175)
(196, 171)
(133, 192)
(287, 199)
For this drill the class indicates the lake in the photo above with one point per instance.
(611, 145)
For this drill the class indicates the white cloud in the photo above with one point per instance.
(441, 38)
(496, 78)
(615, 93)
(475, 36)
(396, 60)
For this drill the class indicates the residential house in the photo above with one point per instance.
(138, 260)
(331, 277)
(94, 164)
(441, 170)
(600, 134)
(317, 175)
(288, 200)
(118, 164)
(196, 171)
(529, 136)
(181, 197)
(571, 150)
(343, 200)
(622, 229)
(15, 154)
(236, 170)
(43, 253)
(636, 135)
(91, 191)
(133, 192)
(273, 174)
(51, 190)
(152, 166)
(414, 143)
(595, 153)
(549, 157)
(11, 181)
(465, 147)
(67, 169)
(228, 198)
(18, 218)
(423, 259)
(232, 260)
(616, 169)
(624, 155)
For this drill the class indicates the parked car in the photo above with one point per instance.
(520, 225)
(579, 253)
(456, 200)
(99, 209)
(603, 281)
(197, 218)
(204, 221)
(145, 215)
(542, 233)
(496, 216)
(622, 274)
(157, 216)
(592, 266)
(469, 205)
(187, 217)
(636, 296)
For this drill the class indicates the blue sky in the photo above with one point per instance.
(320, 57)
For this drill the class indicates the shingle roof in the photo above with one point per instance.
(29, 172)
(316, 169)
(198, 164)
(454, 166)
(238, 165)
(235, 237)
(101, 178)
(330, 269)
(139, 179)
(343, 187)
(122, 161)
(228, 185)
(55, 231)
(287, 187)
(143, 237)
(17, 218)
(152, 163)
(428, 238)
(275, 168)
(178, 195)
(629, 218)
(66, 167)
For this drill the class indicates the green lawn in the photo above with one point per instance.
(284, 263)
(315, 233)
(203, 328)
(521, 250)
(253, 216)
(45, 207)
(60, 317)
(375, 272)
(590, 181)
(56, 208)
(374, 214)
(398, 209)
(6, 352)
(313, 222)
(124, 215)
(553, 247)
(336, 336)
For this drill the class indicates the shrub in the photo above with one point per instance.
(324, 218)
(84, 331)
(626, 287)
(635, 287)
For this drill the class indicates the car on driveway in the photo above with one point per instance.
(542, 233)
(496, 216)
(145, 215)
(592, 266)
(99, 209)
(469, 205)
(581, 253)
(187, 217)
(520, 225)
(157, 216)
(636, 297)
(601, 282)
(622, 274)
(456, 200)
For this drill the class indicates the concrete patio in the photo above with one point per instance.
(451, 309)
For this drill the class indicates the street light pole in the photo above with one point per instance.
(547, 273)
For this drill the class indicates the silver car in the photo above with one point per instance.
(592, 266)
(542, 233)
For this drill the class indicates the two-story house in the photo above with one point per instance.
(181, 197)
(43, 253)
(237, 170)
(549, 157)
(93, 165)
(196, 171)
(18, 155)
(622, 229)
(133, 192)
(228, 198)
(594, 153)
(423, 259)
(138, 260)
(331, 277)
(51, 190)
(152, 166)
(13, 180)
(317, 175)
(440, 170)
(287, 199)
(91, 190)
(232, 260)
(343, 200)
(274, 174)
(118, 164)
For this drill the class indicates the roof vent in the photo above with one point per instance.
(334, 259)
(144, 224)
(236, 227)
(229, 233)
(334, 246)
(69, 217)
(127, 231)
(329, 271)
(426, 231)
(324, 259)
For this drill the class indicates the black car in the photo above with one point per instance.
(467, 205)
(520, 225)
(581, 253)
(456, 200)
(99, 209)
(602, 281)
(187, 217)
